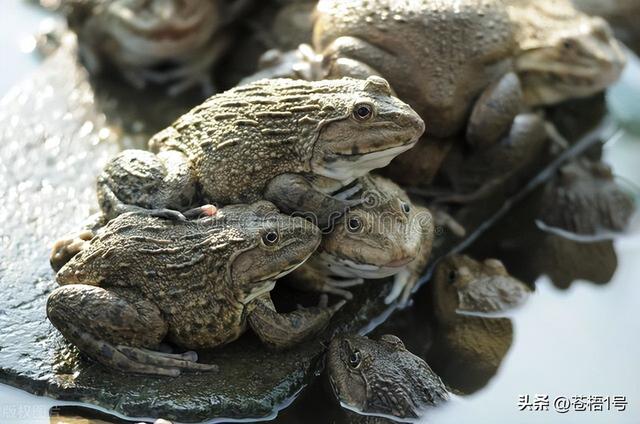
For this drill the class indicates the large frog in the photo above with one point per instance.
(384, 236)
(382, 377)
(162, 41)
(198, 284)
(472, 66)
(291, 142)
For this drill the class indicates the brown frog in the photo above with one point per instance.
(464, 285)
(161, 41)
(198, 284)
(452, 60)
(381, 377)
(473, 337)
(386, 235)
(584, 199)
(289, 142)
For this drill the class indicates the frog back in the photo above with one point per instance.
(436, 54)
(239, 140)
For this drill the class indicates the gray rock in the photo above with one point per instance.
(53, 143)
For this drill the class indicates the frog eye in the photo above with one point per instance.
(452, 276)
(362, 111)
(406, 208)
(354, 224)
(355, 359)
(270, 238)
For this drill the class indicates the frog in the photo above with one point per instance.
(381, 377)
(198, 284)
(620, 14)
(386, 235)
(472, 302)
(584, 198)
(174, 42)
(438, 56)
(290, 142)
(463, 285)
(490, 59)
(562, 52)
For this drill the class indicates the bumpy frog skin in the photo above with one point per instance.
(382, 377)
(562, 53)
(197, 284)
(290, 142)
(464, 285)
(386, 235)
(482, 59)
(136, 36)
(585, 199)
(437, 55)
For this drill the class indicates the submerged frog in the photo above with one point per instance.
(384, 236)
(471, 66)
(472, 337)
(464, 285)
(289, 142)
(197, 284)
(584, 199)
(160, 41)
(382, 377)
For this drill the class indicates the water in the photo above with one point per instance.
(578, 341)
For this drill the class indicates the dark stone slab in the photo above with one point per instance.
(54, 139)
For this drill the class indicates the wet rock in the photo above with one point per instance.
(55, 139)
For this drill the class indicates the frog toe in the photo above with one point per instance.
(181, 362)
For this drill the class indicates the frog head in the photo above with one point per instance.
(367, 128)
(564, 53)
(278, 244)
(464, 284)
(163, 29)
(381, 377)
(377, 238)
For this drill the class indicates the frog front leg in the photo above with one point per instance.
(281, 331)
(141, 181)
(117, 329)
(294, 193)
(352, 57)
(494, 112)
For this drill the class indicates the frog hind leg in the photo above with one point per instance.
(351, 57)
(141, 181)
(116, 329)
(284, 330)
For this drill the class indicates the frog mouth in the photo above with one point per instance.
(348, 268)
(348, 167)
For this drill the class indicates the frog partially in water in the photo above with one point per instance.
(198, 284)
(464, 285)
(584, 199)
(382, 377)
(386, 235)
(161, 41)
